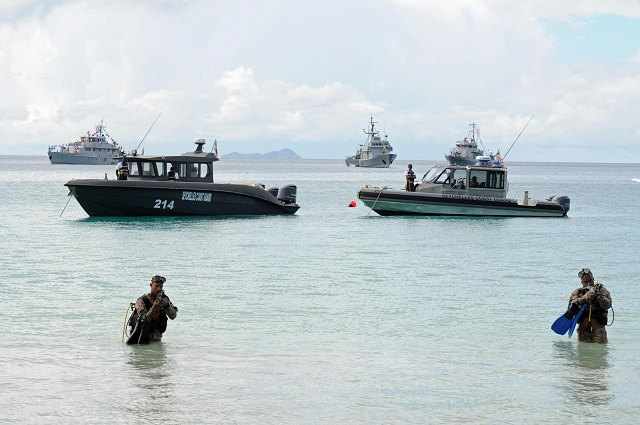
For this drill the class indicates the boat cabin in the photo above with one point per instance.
(482, 179)
(196, 166)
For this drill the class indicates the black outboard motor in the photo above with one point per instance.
(287, 194)
(563, 200)
(273, 191)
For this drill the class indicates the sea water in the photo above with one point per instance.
(334, 315)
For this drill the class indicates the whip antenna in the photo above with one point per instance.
(514, 142)
(145, 136)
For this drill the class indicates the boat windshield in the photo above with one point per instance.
(431, 173)
(444, 176)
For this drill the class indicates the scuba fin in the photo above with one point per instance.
(561, 325)
(575, 320)
(564, 322)
(567, 322)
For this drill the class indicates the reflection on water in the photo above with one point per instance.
(152, 378)
(586, 371)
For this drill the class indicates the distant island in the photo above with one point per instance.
(281, 154)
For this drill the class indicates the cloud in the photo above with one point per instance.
(294, 74)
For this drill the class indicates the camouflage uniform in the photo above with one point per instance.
(593, 322)
(157, 317)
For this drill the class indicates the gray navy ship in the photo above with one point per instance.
(375, 153)
(98, 148)
(466, 150)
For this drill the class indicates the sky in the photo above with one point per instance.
(259, 76)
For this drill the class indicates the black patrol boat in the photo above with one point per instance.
(151, 190)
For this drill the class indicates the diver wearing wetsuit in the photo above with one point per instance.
(153, 309)
(593, 322)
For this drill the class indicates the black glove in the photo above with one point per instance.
(574, 308)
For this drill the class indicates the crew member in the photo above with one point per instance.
(593, 321)
(410, 176)
(154, 308)
(173, 174)
(122, 169)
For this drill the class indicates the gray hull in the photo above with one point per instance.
(70, 158)
(460, 160)
(395, 202)
(381, 161)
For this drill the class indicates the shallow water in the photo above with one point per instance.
(333, 315)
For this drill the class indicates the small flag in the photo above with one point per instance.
(215, 146)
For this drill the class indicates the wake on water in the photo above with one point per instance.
(635, 180)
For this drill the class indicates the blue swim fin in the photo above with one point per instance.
(561, 325)
(574, 322)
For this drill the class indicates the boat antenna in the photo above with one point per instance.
(145, 136)
(514, 142)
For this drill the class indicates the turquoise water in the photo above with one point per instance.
(334, 315)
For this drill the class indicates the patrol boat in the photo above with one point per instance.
(98, 148)
(457, 190)
(149, 190)
(466, 150)
(375, 153)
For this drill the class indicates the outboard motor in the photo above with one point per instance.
(273, 191)
(563, 200)
(287, 194)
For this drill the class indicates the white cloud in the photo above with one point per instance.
(294, 74)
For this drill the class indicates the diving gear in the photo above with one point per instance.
(575, 320)
(567, 322)
(583, 272)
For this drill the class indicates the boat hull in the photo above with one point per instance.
(460, 160)
(394, 202)
(70, 158)
(380, 161)
(130, 198)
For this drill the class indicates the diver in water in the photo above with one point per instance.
(152, 311)
(593, 321)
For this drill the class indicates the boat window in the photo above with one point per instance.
(444, 177)
(495, 179)
(148, 169)
(490, 179)
(133, 169)
(457, 178)
(182, 170)
(162, 168)
(199, 170)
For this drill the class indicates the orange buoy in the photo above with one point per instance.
(352, 204)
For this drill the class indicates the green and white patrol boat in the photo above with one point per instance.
(457, 190)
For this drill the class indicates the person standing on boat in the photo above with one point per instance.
(153, 310)
(410, 177)
(122, 169)
(173, 174)
(593, 321)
